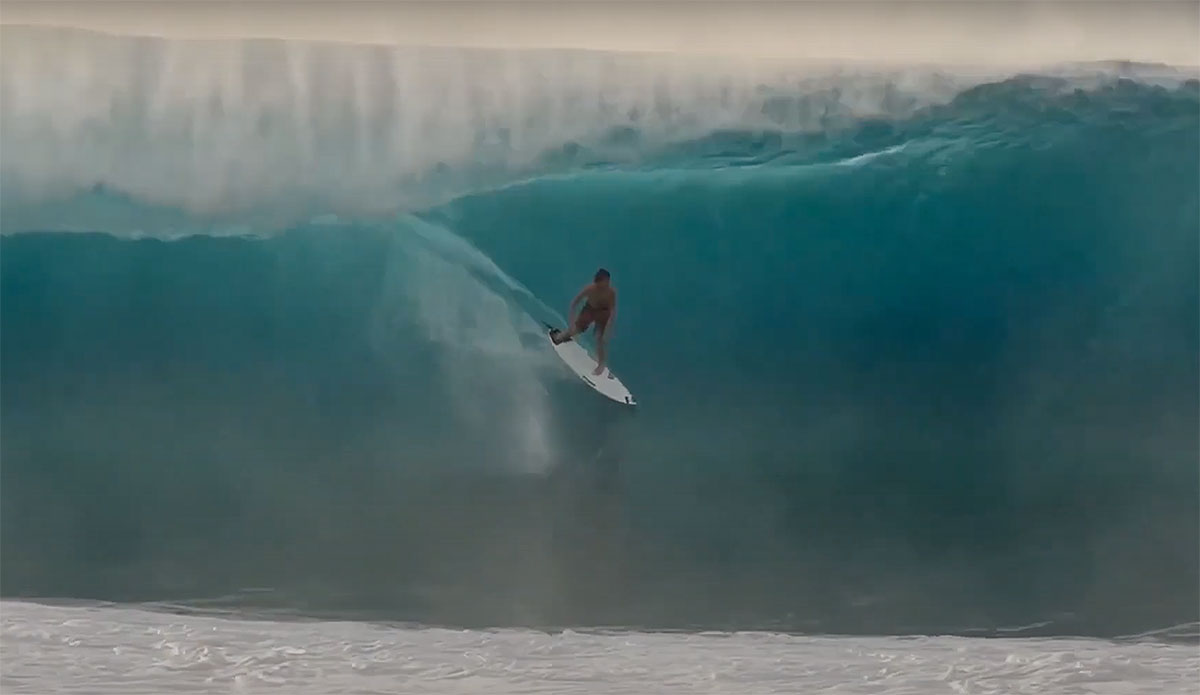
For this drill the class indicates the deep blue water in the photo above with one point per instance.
(931, 368)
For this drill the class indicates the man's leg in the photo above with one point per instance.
(601, 351)
(561, 337)
(581, 323)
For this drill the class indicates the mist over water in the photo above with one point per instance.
(915, 351)
(367, 129)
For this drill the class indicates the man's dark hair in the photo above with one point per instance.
(601, 274)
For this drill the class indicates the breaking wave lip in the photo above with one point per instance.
(269, 132)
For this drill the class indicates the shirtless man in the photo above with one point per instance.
(600, 308)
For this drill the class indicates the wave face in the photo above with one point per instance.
(914, 354)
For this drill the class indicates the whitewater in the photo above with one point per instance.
(914, 350)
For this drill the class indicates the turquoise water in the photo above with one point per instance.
(914, 353)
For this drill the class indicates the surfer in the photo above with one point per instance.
(600, 309)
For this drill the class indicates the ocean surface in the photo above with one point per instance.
(915, 350)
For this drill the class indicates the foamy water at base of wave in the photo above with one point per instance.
(109, 649)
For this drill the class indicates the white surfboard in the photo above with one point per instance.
(580, 362)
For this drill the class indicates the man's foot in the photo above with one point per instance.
(598, 370)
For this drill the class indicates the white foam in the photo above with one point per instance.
(72, 649)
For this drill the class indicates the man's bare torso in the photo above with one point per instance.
(600, 298)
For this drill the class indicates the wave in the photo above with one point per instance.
(908, 361)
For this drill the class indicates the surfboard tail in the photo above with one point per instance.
(552, 330)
